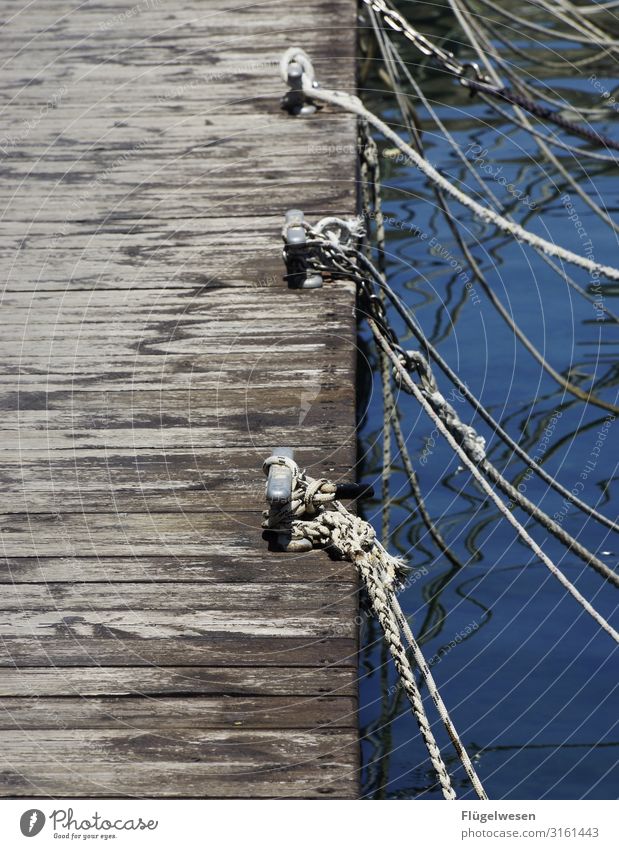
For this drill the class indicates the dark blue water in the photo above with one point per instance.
(530, 680)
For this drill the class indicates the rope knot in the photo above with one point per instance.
(315, 517)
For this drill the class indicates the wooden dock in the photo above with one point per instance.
(152, 357)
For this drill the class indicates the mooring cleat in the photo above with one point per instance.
(295, 101)
(299, 275)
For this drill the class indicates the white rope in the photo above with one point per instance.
(436, 697)
(474, 445)
(483, 483)
(471, 441)
(353, 104)
(378, 594)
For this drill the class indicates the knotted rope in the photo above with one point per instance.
(471, 466)
(467, 436)
(314, 516)
(304, 518)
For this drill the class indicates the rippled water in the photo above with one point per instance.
(529, 678)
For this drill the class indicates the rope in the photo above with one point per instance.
(335, 258)
(390, 48)
(489, 419)
(553, 34)
(389, 53)
(495, 28)
(519, 84)
(465, 441)
(474, 445)
(391, 56)
(435, 695)
(351, 103)
(389, 623)
(577, 152)
(508, 95)
(315, 515)
(583, 27)
(370, 183)
(413, 480)
(594, 10)
(465, 435)
(481, 82)
(470, 465)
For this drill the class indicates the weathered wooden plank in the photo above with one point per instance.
(186, 341)
(153, 253)
(136, 627)
(203, 33)
(151, 18)
(148, 178)
(31, 429)
(86, 480)
(228, 309)
(182, 199)
(129, 624)
(169, 420)
(195, 763)
(91, 374)
(261, 233)
(129, 534)
(238, 561)
(180, 322)
(203, 51)
(212, 137)
(208, 604)
(151, 357)
(228, 401)
(134, 154)
(177, 713)
(313, 647)
(176, 681)
(176, 165)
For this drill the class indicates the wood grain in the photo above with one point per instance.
(202, 764)
(152, 356)
(137, 480)
(153, 681)
(174, 713)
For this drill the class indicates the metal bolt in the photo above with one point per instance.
(299, 275)
(294, 101)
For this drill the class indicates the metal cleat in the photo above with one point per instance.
(278, 495)
(294, 101)
(353, 491)
(279, 480)
(298, 273)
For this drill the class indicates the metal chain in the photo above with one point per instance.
(479, 81)
(445, 58)
(343, 260)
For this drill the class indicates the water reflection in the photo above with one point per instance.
(528, 680)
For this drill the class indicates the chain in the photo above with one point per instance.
(341, 259)
(336, 259)
(479, 82)
(446, 58)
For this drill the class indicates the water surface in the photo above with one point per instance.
(529, 678)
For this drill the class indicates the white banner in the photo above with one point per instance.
(298, 824)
